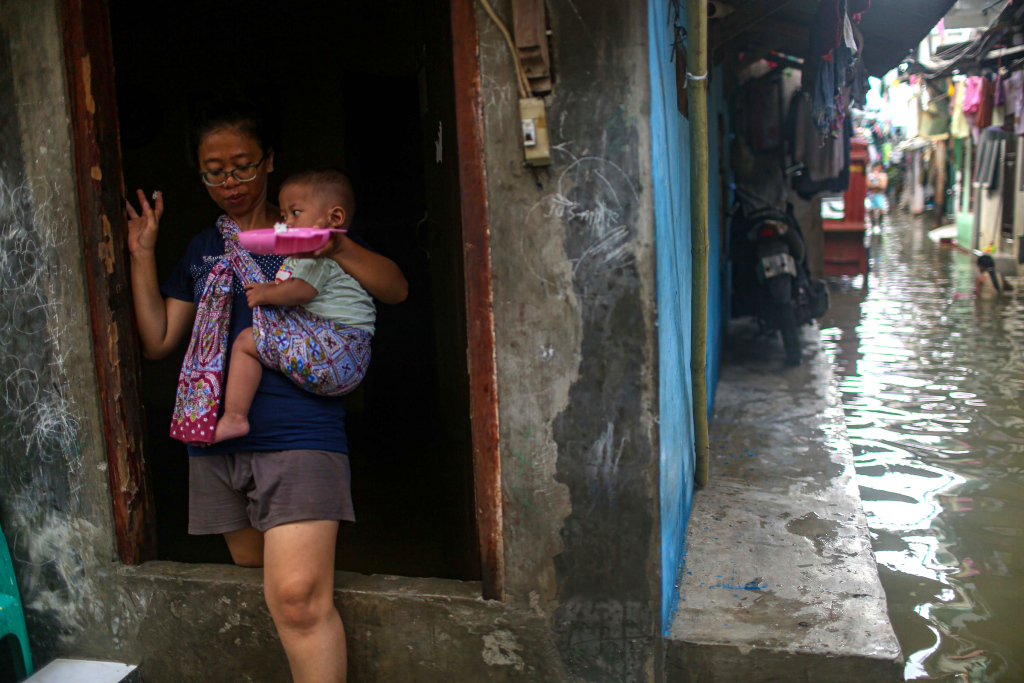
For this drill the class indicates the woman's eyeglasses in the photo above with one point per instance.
(243, 174)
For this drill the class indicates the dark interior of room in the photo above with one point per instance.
(364, 86)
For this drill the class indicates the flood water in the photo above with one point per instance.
(933, 388)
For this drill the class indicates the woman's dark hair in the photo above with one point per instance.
(987, 263)
(254, 119)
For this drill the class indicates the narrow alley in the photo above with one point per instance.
(594, 385)
(931, 381)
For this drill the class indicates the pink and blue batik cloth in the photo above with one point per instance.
(321, 356)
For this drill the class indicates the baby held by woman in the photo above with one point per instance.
(316, 321)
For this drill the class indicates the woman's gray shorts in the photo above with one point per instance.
(267, 488)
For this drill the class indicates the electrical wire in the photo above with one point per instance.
(969, 52)
(521, 80)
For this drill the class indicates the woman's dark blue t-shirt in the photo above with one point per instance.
(283, 416)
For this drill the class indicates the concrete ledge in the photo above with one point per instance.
(779, 582)
(703, 663)
(397, 628)
(344, 582)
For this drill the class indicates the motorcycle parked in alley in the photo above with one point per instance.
(771, 279)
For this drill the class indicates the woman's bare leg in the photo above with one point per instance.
(298, 580)
(246, 546)
(244, 374)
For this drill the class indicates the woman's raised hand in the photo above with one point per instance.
(142, 229)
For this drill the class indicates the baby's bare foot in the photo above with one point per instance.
(230, 427)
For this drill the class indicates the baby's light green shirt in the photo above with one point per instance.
(339, 297)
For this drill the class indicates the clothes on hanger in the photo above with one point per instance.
(1013, 87)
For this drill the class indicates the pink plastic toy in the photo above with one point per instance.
(287, 241)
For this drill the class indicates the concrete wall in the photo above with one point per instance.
(574, 285)
(54, 504)
(574, 296)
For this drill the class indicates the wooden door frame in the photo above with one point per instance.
(97, 153)
(476, 239)
(89, 66)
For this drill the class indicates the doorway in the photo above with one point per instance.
(366, 86)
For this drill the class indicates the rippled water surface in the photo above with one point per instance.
(933, 388)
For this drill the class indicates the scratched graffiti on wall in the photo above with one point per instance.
(36, 405)
(40, 424)
(595, 198)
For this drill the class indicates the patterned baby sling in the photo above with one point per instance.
(321, 356)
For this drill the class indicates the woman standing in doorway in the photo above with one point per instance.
(278, 494)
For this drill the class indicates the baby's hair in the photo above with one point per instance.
(327, 183)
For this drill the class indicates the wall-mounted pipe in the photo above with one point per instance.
(697, 93)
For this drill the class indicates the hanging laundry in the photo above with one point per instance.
(834, 72)
(1013, 88)
(974, 104)
(998, 111)
(823, 106)
(859, 86)
(826, 158)
(998, 116)
(972, 94)
(958, 126)
(985, 108)
(848, 38)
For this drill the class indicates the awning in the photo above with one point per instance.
(891, 28)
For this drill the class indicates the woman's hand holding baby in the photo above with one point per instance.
(335, 246)
(377, 274)
(143, 229)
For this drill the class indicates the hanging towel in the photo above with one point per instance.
(958, 126)
(972, 94)
(1013, 88)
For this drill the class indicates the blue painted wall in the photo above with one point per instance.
(670, 153)
(670, 156)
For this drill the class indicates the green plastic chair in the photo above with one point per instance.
(15, 658)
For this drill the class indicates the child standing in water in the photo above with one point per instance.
(878, 181)
(323, 345)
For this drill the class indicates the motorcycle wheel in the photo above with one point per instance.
(790, 334)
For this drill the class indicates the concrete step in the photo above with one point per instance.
(85, 671)
(779, 582)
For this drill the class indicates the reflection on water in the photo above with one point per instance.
(932, 384)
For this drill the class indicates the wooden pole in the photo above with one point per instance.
(697, 87)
